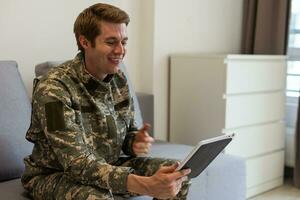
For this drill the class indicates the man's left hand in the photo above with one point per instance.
(142, 143)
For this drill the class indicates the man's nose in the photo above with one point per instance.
(119, 48)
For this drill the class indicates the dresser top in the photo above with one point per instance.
(231, 56)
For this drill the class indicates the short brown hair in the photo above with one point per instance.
(88, 21)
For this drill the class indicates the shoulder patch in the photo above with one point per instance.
(55, 116)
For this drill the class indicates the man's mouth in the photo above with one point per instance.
(115, 60)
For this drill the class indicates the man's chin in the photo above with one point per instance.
(115, 69)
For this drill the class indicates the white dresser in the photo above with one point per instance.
(244, 94)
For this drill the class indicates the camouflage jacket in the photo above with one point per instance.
(80, 126)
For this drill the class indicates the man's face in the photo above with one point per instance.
(109, 50)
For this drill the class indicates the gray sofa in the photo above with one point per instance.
(224, 179)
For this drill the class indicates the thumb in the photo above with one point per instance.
(145, 127)
(169, 169)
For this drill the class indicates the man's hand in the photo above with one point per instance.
(164, 184)
(142, 142)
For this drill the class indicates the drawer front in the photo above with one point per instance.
(255, 75)
(253, 141)
(245, 110)
(264, 169)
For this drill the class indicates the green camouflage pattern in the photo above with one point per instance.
(81, 128)
(60, 186)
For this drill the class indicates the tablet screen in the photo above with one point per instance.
(204, 153)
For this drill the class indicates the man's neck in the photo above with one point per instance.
(89, 67)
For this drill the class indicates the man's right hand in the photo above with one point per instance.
(164, 184)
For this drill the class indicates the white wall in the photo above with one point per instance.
(190, 26)
(35, 31)
(146, 33)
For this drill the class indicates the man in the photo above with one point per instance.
(83, 119)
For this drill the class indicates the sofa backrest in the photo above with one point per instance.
(43, 68)
(15, 112)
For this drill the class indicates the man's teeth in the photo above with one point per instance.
(116, 59)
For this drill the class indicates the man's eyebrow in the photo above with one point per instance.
(115, 38)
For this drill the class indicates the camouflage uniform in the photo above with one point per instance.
(81, 128)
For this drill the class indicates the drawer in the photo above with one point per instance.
(253, 141)
(251, 75)
(264, 169)
(245, 110)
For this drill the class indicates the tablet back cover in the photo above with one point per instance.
(204, 156)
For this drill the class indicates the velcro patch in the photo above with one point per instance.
(55, 116)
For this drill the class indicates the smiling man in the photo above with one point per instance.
(86, 144)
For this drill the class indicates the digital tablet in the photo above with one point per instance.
(204, 153)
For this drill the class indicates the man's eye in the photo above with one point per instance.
(110, 43)
(124, 43)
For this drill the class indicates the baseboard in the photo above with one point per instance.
(258, 189)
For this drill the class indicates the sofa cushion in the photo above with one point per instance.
(13, 189)
(14, 121)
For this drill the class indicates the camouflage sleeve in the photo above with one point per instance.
(65, 136)
(128, 142)
(132, 130)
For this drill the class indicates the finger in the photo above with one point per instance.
(176, 164)
(182, 179)
(185, 178)
(142, 133)
(144, 130)
(144, 137)
(147, 139)
(141, 151)
(145, 127)
(179, 174)
(170, 168)
(142, 145)
(167, 169)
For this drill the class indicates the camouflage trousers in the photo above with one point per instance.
(60, 187)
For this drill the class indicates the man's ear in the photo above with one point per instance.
(85, 43)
